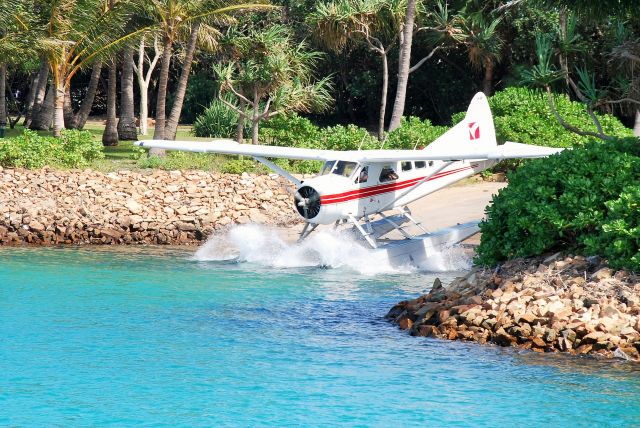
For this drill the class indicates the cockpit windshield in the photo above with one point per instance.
(342, 168)
(327, 167)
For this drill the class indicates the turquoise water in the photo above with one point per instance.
(151, 336)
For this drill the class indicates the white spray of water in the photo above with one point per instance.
(262, 245)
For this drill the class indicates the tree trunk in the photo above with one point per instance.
(174, 118)
(404, 63)
(636, 126)
(80, 119)
(41, 120)
(68, 109)
(40, 92)
(161, 101)
(127, 123)
(255, 120)
(110, 134)
(58, 112)
(3, 98)
(31, 98)
(144, 107)
(487, 83)
(383, 99)
(241, 118)
(562, 57)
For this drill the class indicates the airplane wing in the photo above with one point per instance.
(230, 147)
(508, 150)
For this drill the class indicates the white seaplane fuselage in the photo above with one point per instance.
(345, 191)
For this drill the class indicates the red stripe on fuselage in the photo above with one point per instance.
(381, 189)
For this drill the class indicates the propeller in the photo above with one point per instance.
(307, 202)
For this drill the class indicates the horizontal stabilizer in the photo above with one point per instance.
(510, 150)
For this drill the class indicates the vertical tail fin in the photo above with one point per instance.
(475, 131)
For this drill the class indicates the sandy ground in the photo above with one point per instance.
(446, 207)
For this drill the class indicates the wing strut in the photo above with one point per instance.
(275, 168)
(415, 186)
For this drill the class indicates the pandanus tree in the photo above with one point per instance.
(381, 25)
(484, 45)
(194, 22)
(377, 23)
(268, 74)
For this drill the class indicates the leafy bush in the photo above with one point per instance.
(217, 120)
(30, 150)
(182, 160)
(238, 166)
(620, 237)
(350, 137)
(413, 132)
(524, 116)
(289, 130)
(582, 200)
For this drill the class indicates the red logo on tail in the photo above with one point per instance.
(474, 131)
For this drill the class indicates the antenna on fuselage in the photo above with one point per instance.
(362, 142)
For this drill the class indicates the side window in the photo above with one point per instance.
(363, 177)
(388, 174)
(430, 163)
(406, 166)
(420, 164)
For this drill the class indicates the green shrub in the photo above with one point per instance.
(579, 200)
(217, 121)
(238, 166)
(524, 116)
(620, 237)
(30, 150)
(289, 130)
(350, 137)
(182, 160)
(413, 133)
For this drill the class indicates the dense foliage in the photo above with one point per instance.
(217, 120)
(523, 115)
(73, 149)
(585, 200)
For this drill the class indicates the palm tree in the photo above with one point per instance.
(196, 21)
(127, 121)
(12, 41)
(75, 34)
(37, 92)
(110, 133)
(442, 28)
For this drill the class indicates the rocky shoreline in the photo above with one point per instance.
(49, 206)
(569, 304)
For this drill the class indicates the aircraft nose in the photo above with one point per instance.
(307, 201)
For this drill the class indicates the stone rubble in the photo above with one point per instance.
(575, 305)
(48, 206)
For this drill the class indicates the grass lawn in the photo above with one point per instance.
(126, 156)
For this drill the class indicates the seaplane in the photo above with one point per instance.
(369, 190)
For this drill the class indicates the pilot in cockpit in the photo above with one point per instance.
(364, 175)
(388, 174)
